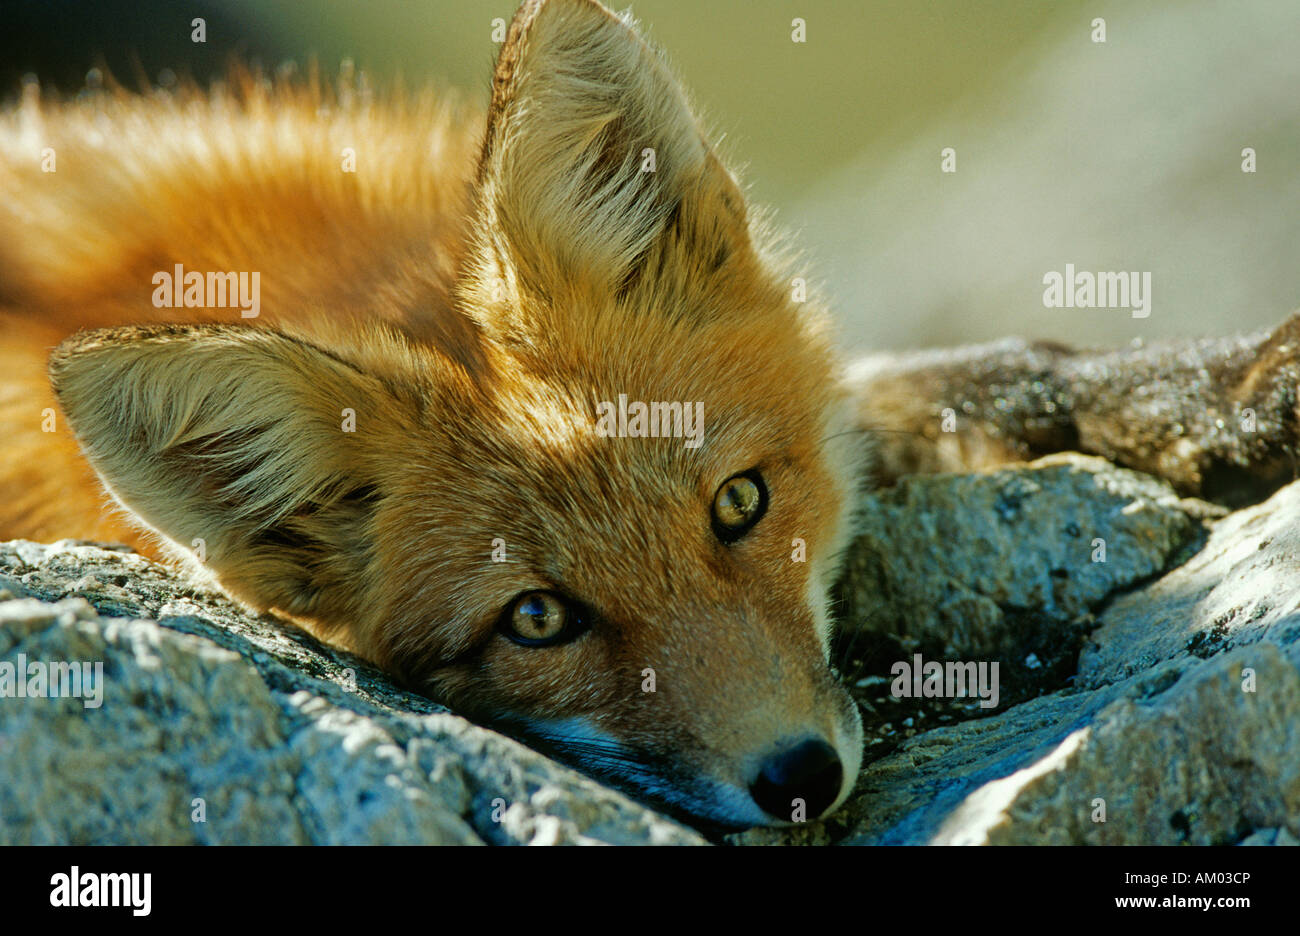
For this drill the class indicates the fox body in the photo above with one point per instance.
(401, 452)
(408, 449)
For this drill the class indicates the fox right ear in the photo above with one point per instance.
(249, 448)
(595, 169)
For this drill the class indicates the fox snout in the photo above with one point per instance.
(808, 771)
(806, 774)
(803, 772)
(801, 778)
(770, 776)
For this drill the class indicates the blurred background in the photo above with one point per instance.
(1117, 156)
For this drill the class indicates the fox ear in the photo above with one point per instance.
(594, 166)
(239, 446)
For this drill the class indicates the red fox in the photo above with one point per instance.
(521, 407)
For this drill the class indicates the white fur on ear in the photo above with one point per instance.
(237, 438)
(591, 146)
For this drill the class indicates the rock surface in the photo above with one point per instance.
(215, 726)
(1181, 723)
(1154, 685)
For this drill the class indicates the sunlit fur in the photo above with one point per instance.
(471, 296)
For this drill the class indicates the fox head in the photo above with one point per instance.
(483, 514)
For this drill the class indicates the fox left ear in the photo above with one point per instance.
(242, 445)
(595, 174)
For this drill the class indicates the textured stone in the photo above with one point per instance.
(969, 563)
(1161, 686)
(1183, 721)
(281, 739)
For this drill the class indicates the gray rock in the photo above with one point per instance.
(1158, 690)
(1178, 755)
(1242, 587)
(1183, 723)
(215, 726)
(969, 563)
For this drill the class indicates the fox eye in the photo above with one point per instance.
(740, 503)
(541, 619)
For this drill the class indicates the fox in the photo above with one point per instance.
(352, 357)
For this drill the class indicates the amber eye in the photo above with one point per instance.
(740, 503)
(541, 619)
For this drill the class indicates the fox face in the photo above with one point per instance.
(467, 511)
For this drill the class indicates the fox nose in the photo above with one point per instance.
(810, 771)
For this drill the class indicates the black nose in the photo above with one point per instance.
(811, 771)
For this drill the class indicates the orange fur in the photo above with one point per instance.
(470, 313)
